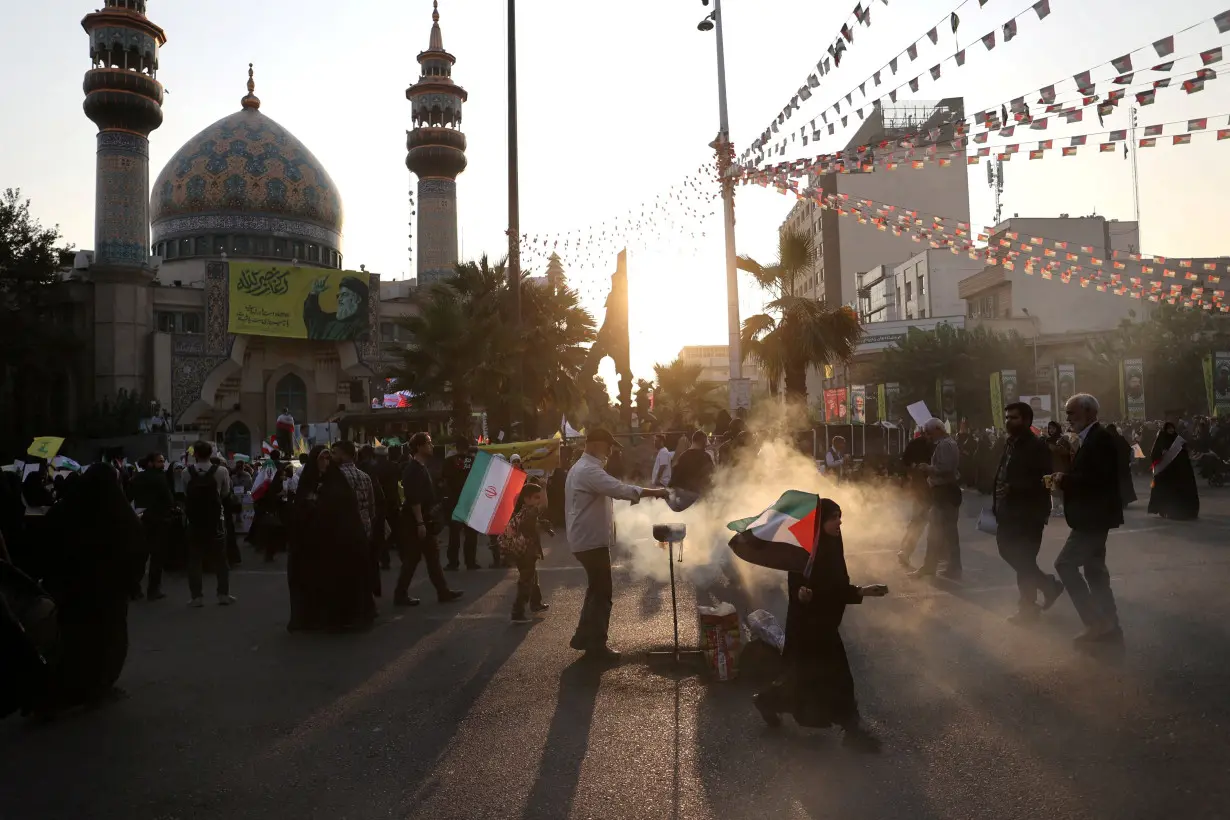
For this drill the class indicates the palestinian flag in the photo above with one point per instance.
(489, 494)
(782, 537)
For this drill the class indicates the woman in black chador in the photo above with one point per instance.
(816, 686)
(1174, 493)
(94, 534)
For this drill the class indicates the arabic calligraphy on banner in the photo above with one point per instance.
(300, 303)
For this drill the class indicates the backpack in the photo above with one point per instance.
(513, 541)
(204, 504)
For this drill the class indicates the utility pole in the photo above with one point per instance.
(1135, 183)
(725, 159)
(514, 205)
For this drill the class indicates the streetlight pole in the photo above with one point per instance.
(725, 158)
(514, 203)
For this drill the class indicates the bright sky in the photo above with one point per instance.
(618, 102)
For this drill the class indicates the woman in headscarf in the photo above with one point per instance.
(94, 535)
(305, 572)
(1174, 494)
(816, 686)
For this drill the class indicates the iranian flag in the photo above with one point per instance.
(489, 494)
(264, 478)
(782, 537)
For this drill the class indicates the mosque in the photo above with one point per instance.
(221, 291)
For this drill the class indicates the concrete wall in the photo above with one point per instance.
(940, 271)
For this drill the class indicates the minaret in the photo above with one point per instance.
(436, 152)
(124, 99)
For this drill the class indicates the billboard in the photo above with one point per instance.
(1132, 385)
(300, 303)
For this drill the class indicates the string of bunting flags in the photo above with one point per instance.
(997, 117)
(1114, 138)
(1051, 258)
(678, 213)
(756, 152)
(861, 157)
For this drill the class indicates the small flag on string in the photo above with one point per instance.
(1122, 64)
(954, 21)
(1074, 116)
(1165, 46)
(1193, 86)
(1044, 145)
(1146, 97)
(1118, 136)
(1106, 147)
(1222, 21)
(1181, 139)
(933, 36)
(1148, 143)
(1163, 66)
(1036, 154)
(1124, 79)
(1211, 56)
(935, 71)
(1079, 140)
(914, 84)
(1223, 133)
(1084, 82)
(1197, 125)
(961, 57)
(988, 40)
(1038, 125)
(1009, 30)
(1043, 8)
(1047, 95)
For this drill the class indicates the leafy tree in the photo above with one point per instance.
(681, 399)
(968, 357)
(30, 336)
(599, 412)
(556, 330)
(643, 413)
(795, 332)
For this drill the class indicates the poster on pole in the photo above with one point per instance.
(858, 404)
(1220, 377)
(835, 406)
(1132, 384)
(1065, 383)
(997, 401)
(892, 395)
(946, 400)
(881, 403)
(1008, 384)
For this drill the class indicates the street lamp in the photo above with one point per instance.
(725, 159)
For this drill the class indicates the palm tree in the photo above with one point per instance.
(795, 332)
(556, 332)
(459, 348)
(681, 398)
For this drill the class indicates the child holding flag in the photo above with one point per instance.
(521, 546)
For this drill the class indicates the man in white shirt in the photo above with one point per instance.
(836, 459)
(661, 475)
(590, 517)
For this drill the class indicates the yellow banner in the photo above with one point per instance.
(300, 303)
(535, 455)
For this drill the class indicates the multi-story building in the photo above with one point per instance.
(1024, 301)
(714, 361)
(877, 295)
(843, 246)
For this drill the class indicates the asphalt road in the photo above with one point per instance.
(452, 712)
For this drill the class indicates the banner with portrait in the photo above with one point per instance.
(892, 399)
(1217, 383)
(1041, 405)
(997, 401)
(1008, 384)
(858, 404)
(1065, 383)
(836, 409)
(300, 303)
(946, 400)
(1132, 388)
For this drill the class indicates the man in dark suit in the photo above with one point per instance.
(1092, 508)
(1022, 505)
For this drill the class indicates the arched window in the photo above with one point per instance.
(292, 393)
(237, 439)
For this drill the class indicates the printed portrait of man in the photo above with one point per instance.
(349, 323)
(1135, 382)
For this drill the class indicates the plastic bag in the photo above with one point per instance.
(720, 639)
(765, 627)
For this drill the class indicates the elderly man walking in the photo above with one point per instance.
(943, 475)
(590, 516)
(1092, 508)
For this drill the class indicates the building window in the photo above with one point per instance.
(298, 251)
(219, 245)
(291, 393)
(909, 292)
(239, 245)
(313, 253)
(279, 248)
(171, 321)
(259, 246)
(388, 332)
